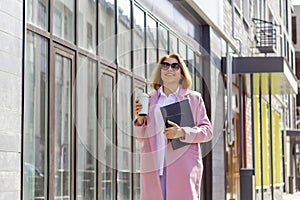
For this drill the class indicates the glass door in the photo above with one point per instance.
(61, 128)
(108, 137)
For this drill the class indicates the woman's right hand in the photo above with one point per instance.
(137, 109)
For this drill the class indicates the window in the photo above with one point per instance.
(64, 19)
(124, 136)
(191, 63)
(139, 41)
(62, 127)
(294, 29)
(173, 43)
(35, 117)
(107, 137)
(182, 50)
(87, 128)
(124, 34)
(238, 4)
(151, 44)
(246, 10)
(107, 30)
(163, 41)
(87, 23)
(89, 35)
(37, 13)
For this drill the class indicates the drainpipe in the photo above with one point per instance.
(229, 65)
(240, 79)
(233, 28)
(230, 133)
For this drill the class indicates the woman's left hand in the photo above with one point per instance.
(174, 131)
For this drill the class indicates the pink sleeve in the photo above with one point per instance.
(139, 131)
(202, 131)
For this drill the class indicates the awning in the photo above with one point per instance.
(293, 133)
(267, 71)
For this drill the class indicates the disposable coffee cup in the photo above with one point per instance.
(144, 100)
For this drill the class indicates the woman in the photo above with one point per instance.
(168, 174)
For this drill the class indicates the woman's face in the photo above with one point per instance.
(170, 75)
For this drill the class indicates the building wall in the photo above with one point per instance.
(11, 26)
(297, 11)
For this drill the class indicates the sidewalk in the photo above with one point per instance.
(295, 196)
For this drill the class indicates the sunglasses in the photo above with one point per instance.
(166, 66)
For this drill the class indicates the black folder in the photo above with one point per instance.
(181, 114)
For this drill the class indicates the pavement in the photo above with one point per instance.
(295, 196)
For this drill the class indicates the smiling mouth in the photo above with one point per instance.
(169, 74)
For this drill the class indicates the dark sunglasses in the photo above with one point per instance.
(166, 66)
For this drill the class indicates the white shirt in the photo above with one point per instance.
(161, 139)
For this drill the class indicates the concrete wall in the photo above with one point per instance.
(11, 26)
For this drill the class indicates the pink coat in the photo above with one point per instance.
(184, 165)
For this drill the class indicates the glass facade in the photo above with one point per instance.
(81, 76)
(139, 41)
(38, 13)
(63, 128)
(36, 117)
(107, 30)
(124, 137)
(86, 124)
(87, 19)
(107, 137)
(64, 19)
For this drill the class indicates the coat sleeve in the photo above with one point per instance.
(139, 131)
(202, 131)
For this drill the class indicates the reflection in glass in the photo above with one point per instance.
(163, 41)
(191, 63)
(139, 41)
(182, 50)
(64, 19)
(124, 34)
(107, 30)
(38, 12)
(86, 128)
(173, 43)
(137, 160)
(151, 44)
(198, 73)
(107, 137)
(124, 128)
(62, 133)
(35, 117)
(87, 24)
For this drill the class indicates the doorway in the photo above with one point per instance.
(233, 163)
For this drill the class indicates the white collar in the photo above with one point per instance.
(161, 91)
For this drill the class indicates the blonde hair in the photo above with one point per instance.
(156, 81)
